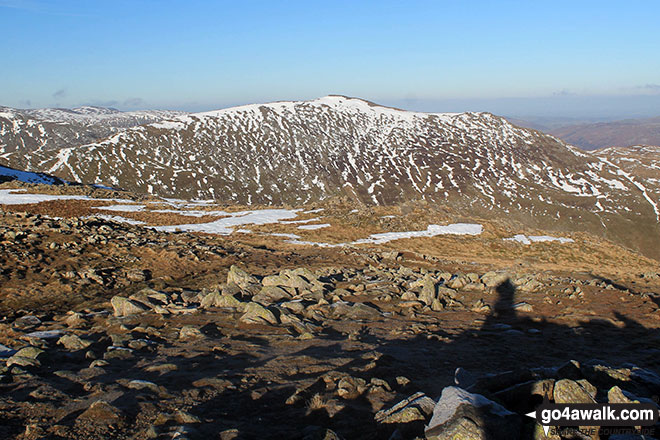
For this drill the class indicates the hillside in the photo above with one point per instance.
(606, 134)
(474, 164)
(54, 128)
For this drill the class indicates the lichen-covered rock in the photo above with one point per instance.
(271, 294)
(416, 407)
(73, 342)
(257, 314)
(216, 299)
(569, 391)
(126, 307)
(461, 415)
(240, 277)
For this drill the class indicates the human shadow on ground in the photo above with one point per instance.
(506, 341)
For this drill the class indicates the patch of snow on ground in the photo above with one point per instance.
(16, 197)
(312, 227)
(431, 231)
(521, 238)
(122, 208)
(225, 226)
(118, 219)
(281, 234)
(193, 213)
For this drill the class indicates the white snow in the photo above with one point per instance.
(524, 239)
(15, 197)
(312, 227)
(118, 219)
(224, 226)
(431, 231)
(122, 208)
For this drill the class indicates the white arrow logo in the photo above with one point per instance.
(546, 428)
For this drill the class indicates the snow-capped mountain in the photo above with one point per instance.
(54, 128)
(299, 152)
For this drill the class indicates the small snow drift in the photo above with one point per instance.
(521, 238)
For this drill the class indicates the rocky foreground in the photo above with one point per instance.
(118, 331)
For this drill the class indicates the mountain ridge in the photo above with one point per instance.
(298, 152)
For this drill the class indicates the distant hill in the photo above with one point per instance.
(54, 128)
(595, 135)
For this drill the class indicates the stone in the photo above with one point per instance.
(356, 311)
(257, 314)
(428, 293)
(126, 307)
(617, 395)
(119, 353)
(137, 275)
(26, 322)
(271, 294)
(460, 415)
(240, 277)
(274, 280)
(190, 332)
(73, 342)
(21, 361)
(101, 412)
(494, 279)
(74, 319)
(30, 352)
(523, 307)
(215, 299)
(143, 385)
(569, 391)
(44, 334)
(416, 407)
(351, 387)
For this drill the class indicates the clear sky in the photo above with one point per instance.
(549, 58)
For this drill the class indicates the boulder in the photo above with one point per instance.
(216, 299)
(271, 294)
(428, 293)
(460, 414)
(569, 391)
(257, 314)
(73, 342)
(240, 277)
(127, 307)
(101, 412)
(190, 332)
(416, 407)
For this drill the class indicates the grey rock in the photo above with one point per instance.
(570, 391)
(73, 342)
(428, 293)
(240, 277)
(190, 332)
(460, 414)
(271, 294)
(416, 407)
(257, 314)
(216, 299)
(127, 307)
(45, 334)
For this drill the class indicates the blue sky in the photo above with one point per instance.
(554, 58)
